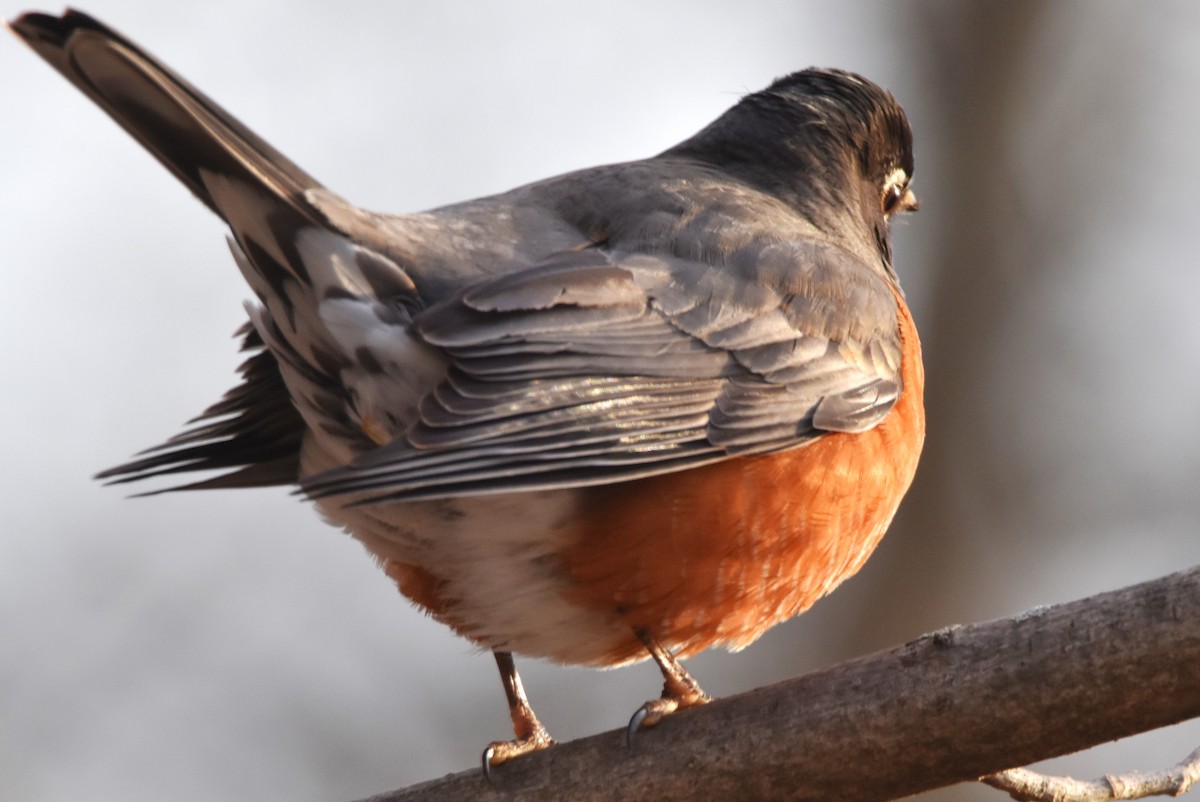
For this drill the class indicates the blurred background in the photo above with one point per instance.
(230, 645)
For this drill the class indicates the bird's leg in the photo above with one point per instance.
(680, 689)
(531, 735)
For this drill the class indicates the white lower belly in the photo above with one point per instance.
(498, 559)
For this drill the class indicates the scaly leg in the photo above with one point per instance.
(531, 735)
(680, 690)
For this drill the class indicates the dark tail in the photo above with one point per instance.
(183, 128)
(256, 428)
(271, 206)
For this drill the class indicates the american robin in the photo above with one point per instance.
(633, 411)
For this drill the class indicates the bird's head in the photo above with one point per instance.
(829, 143)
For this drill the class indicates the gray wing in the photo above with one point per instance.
(597, 367)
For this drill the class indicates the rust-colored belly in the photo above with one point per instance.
(719, 554)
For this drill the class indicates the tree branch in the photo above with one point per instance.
(949, 707)
(1024, 785)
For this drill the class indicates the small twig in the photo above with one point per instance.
(1025, 785)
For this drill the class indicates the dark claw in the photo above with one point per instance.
(635, 724)
(487, 766)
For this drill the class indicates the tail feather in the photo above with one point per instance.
(256, 429)
(326, 294)
(185, 130)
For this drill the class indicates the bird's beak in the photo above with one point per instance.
(909, 202)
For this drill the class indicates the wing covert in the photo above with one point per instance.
(595, 367)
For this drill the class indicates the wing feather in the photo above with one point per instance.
(595, 367)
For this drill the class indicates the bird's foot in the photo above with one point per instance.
(656, 710)
(499, 752)
(531, 735)
(680, 690)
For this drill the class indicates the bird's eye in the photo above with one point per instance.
(897, 197)
(891, 198)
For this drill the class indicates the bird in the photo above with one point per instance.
(630, 412)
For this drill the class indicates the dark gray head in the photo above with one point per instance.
(827, 142)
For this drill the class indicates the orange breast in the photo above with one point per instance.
(719, 554)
